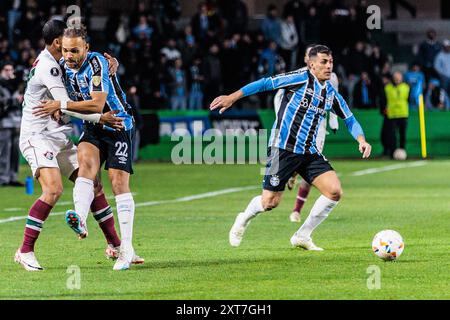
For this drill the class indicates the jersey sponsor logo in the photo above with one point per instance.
(54, 71)
(84, 96)
(274, 180)
(82, 83)
(95, 66)
(49, 155)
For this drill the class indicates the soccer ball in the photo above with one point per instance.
(400, 154)
(388, 244)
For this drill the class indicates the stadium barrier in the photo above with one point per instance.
(339, 145)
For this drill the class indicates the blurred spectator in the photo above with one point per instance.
(416, 81)
(311, 27)
(178, 86)
(365, 93)
(405, 4)
(205, 26)
(270, 63)
(442, 65)
(230, 61)
(436, 98)
(397, 111)
(289, 42)
(170, 50)
(213, 74)
(143, 30)
(271, 25)
(298, 10)
(235, 14)
(196, 89)
(187, 45)
(10, 116)
(133, 100)
(428, 51)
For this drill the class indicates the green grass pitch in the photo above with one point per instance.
(184, 239)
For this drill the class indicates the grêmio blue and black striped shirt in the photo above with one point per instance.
(304, 105)
(92, 76)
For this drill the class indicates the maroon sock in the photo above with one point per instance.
(39, 212)
(105, 218)
(301, 198)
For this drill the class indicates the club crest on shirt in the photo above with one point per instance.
(54, 71)
(48, 155)
(274, 180)
(96, 80)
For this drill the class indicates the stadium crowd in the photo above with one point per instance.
(168, 64)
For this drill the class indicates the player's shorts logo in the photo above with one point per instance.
(54, 71)
(48, 155)
(274, 180)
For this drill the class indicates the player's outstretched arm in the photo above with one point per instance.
(224, 102)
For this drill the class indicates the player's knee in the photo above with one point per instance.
(270, 203)
(51, 195)
(120, 186)
(335, 193)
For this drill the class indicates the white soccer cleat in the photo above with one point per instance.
(295, 216)
(306, 244)
(27, 260)
(237, 230)
(113, 254)
(125, 259)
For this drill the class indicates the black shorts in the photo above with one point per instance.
(116, 147)
(308, 166)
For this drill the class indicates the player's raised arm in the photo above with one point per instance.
(341, 109)
(265, 84)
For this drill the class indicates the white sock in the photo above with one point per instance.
(83, 194)
(125, 213)
(319, 212)
(254, 207)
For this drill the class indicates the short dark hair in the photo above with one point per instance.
(72, 32)
(3, 64)
(52, 30)
(319, 49)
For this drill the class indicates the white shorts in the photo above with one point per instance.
(49, 151)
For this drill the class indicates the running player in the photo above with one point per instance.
(293, 142)
(305, 187)
(47, 147)
(88, 82)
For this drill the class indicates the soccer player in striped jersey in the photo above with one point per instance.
(293, 142)
(305, 187)
(88, 82)
(46, 145)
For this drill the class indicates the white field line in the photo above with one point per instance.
(60, 203)
(225, 191)
(389, 168)
(153, 203)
